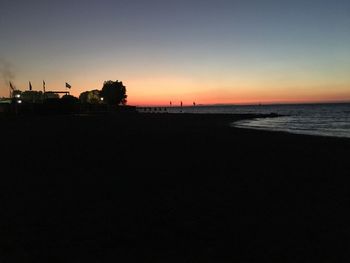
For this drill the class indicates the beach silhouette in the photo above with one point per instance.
(167, 186)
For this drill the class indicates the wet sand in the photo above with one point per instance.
(170, 188)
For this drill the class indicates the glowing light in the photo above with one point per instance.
(19, 101)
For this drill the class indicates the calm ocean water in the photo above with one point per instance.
(312, 119)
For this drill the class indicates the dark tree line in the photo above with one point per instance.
(112, 93)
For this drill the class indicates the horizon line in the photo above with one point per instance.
(244, 104)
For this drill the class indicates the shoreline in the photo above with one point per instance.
(289, 132)
(237, 125)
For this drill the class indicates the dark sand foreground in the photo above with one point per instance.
(170, 188)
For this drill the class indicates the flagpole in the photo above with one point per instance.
(44, 89)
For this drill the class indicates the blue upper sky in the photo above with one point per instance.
(239, 48)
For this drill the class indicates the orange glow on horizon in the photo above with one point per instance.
(243, 102)
(160, 90)
(241, 96)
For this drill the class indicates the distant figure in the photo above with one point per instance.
(194, 104)
(181, 103)
(170, 104)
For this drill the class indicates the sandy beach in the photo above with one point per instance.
(170, 188)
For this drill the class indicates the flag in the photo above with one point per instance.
(68, 86)
(44, 85)
(30, 86)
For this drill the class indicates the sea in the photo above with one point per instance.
(312, 119)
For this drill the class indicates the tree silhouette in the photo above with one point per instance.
(114, 92)
(69, 99)
(83, 97)
(90, 97)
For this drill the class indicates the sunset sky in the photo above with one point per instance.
(218, 51)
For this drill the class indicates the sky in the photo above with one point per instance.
(219, 51)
